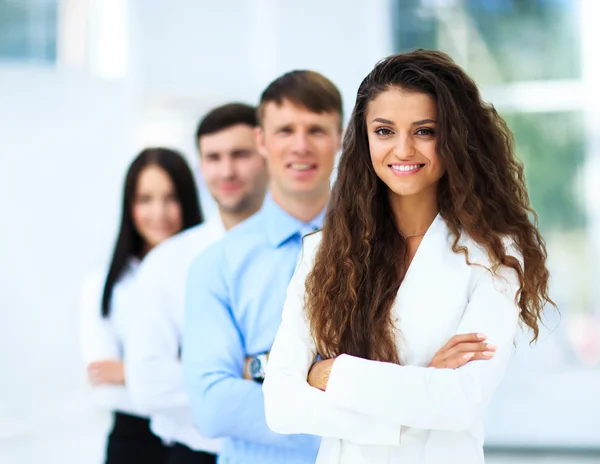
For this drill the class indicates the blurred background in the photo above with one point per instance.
(86, 84)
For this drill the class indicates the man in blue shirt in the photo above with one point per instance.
(236, 289)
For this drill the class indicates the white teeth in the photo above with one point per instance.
(405, 168)
(301, 167)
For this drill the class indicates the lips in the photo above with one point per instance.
(302, 167)
(406, 169)
(161, 229)
(229, 187)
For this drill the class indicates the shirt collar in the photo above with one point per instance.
(281, 226)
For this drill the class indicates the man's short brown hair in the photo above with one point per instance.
(303, 88)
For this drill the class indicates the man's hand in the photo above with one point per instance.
(106, 372)
(247, 362)
(318, 376)
(461, 349)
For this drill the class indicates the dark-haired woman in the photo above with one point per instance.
(429, 234)
(160, 199)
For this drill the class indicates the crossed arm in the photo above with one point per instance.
(349, 397)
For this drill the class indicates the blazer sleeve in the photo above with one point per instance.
(291, 404)
(429, 398)
(99, 342)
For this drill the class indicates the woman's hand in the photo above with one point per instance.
(106, 372)
(459, 350)
(462, 349)
(318, 376)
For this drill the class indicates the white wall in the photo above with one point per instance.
(232, 49)
(65, 141)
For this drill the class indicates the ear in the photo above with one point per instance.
(260, 141)
(339, 140)
(198, 147)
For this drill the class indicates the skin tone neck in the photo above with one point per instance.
(305, 207)
(230, 219)
(414, 213)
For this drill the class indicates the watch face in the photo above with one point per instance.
(256, 370)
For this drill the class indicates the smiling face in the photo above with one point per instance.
(401, 127)
(234, 172)
(156, 211)
(300, 147)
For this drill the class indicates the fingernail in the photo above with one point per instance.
(491, 347)
(489, 354)
(468, 355)
(481, 336)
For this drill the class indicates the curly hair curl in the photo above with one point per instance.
(352, 287)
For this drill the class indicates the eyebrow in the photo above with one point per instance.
(311, 126)
(416, 123)
(286, 125)
(240, 151)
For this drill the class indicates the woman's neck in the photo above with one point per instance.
(415, 213)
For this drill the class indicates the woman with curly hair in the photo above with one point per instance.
(429, 235)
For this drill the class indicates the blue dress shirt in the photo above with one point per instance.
(235, 294)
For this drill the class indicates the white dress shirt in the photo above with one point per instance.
(376, 413)
(152, 354)
(102, 338)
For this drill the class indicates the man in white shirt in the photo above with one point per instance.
(236, 177)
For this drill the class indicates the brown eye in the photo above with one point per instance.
(426, 131)
(143, 199)
(383, 131)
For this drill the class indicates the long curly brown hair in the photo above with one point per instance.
(351, 289)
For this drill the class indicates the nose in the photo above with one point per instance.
(301, 144)
(404, 147)
(227, 169)
(158, 209)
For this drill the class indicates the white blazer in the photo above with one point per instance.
(374, 412)
(104, 338)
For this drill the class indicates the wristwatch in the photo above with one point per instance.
(257, 367)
